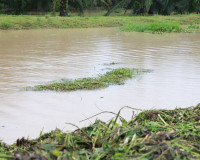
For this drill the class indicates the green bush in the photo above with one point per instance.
(6, 25)
(158, 27)
(193, 26)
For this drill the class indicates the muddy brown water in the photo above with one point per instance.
(34, 57)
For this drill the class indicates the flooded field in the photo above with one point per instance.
(29, 58)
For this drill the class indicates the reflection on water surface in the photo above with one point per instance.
(38, 56)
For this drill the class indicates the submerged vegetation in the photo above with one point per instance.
(152, 134)
(116, 76)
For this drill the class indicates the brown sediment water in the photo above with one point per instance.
(33, 57)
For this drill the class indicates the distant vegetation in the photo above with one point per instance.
(138, 7)
(153, 134)
(116, 76)
(156, 24)
(132, 15)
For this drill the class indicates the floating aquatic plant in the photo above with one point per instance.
(116, 76)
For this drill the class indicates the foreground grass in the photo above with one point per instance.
(41, 22)
(116, 76)
(153, 134)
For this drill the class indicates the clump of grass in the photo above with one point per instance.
(157, 27)
(116, 76)
(193, 26)
(153, 134)
(6, 24)
(111, 64)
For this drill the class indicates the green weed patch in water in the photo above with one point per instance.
(157, 27)
(152, 134)
(116, 76)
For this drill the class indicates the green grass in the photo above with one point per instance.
(156, 27)
(153, 134)
(193, 26)
(116, 76)
(44, 22)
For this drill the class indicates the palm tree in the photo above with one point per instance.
(138, 6)
(63, 8)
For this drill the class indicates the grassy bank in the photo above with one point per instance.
(116, 76)
(153, 134)
(43, 22)
(153, 27)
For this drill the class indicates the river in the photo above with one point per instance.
(31, 57)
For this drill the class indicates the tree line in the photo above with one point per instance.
(138, 7)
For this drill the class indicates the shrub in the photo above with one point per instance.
(6, 25)
(158, 27)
